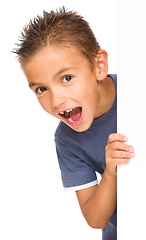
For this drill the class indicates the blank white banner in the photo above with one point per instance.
(132, 117)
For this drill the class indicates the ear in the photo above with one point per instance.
(101, 61)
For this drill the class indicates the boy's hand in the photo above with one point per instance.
(117, 152)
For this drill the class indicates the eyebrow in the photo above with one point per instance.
(63, 70)
(31, 84)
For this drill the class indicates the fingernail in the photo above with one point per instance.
(131, 149)
(125, 138)
(132, 154)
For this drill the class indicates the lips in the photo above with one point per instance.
(72, 116)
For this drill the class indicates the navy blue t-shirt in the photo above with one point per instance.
(82, 154)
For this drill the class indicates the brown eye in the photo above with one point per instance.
(66, 79)
(40, 90)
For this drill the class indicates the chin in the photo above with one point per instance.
(81, 128)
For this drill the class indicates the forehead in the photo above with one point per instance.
(50, 60)
(54, 54)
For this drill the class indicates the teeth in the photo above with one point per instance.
(67, 111)
(69, 119)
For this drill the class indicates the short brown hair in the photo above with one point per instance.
(61, 27)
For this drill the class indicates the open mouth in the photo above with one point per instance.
(72, 116)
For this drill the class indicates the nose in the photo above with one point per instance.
(57, 98)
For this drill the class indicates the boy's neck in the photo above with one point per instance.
(106, 96)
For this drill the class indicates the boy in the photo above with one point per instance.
(67, 69)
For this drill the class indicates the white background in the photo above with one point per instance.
(132, 117)
(33, 204)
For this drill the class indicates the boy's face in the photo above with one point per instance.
(65, 85)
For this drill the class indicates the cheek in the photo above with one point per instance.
(90, 91)
(45, 105)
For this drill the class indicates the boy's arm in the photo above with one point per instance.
(98, 202)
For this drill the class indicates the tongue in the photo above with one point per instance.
(75, 114)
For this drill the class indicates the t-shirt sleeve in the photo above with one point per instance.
(75, 172)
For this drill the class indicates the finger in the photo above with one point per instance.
(117, 137)
(123, 161)
(120, 146)
(118, 161)
(122, 154)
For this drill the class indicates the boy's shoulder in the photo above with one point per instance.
(63, 130)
